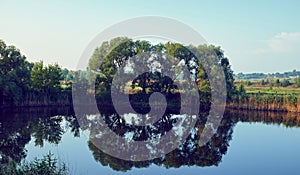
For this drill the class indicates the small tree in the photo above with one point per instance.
(242, 89)
(249, 83)
(277, 82)
(46, 78)
(285, 83)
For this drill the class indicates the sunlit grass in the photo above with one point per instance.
(273, 90)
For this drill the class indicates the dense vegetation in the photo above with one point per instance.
(268, 94)
(278, 86)
(34, 84)
(46, 165)
(21, 80)
(111, 56)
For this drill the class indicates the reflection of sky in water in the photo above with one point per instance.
(131, 118)
(255, 148)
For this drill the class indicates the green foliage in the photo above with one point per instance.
(80, 78)
(67, 75)
(111, 55)
(46, 165)
(298, 82)
(277, 83)
(96, 61)
(292, 99)
(19, 78)
(14, 72)
(241, 89)
(249, 83)
(263, 82)
(46, 78)
(285, 83)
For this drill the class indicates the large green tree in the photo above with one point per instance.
(111, 55)
(14, 72)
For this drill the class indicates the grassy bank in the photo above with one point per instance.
(266, 102)
(267, 96)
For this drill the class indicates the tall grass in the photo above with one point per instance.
(266, 102)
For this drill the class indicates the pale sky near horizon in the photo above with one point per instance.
(256, 36)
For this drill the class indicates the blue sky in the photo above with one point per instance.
(256, 36)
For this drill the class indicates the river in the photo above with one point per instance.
(246, 142)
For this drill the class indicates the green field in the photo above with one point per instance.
(268, 87)
(273, 90)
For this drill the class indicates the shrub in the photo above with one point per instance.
(285, 83)
(46, 165)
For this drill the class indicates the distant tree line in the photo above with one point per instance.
(291, 74)
(271, 82)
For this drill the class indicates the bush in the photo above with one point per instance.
(263, 82)
(46, 165)
(249, 83)
(285, 83)
(277, 82)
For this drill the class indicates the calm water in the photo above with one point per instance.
(245, 143)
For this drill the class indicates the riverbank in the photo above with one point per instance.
(266, 102)
(244, 101)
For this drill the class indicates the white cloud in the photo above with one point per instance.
(282, 43)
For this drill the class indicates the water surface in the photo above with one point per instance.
(245, 143)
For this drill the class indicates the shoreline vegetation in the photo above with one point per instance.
(270, 94)
(25, 84)
(266, 102)
(48, 164)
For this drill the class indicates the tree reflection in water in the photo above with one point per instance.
(18, 127)
(187, 154)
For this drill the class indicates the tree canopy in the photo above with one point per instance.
(111, 55)
(46, 78)
(18, 77)
(14, 72)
